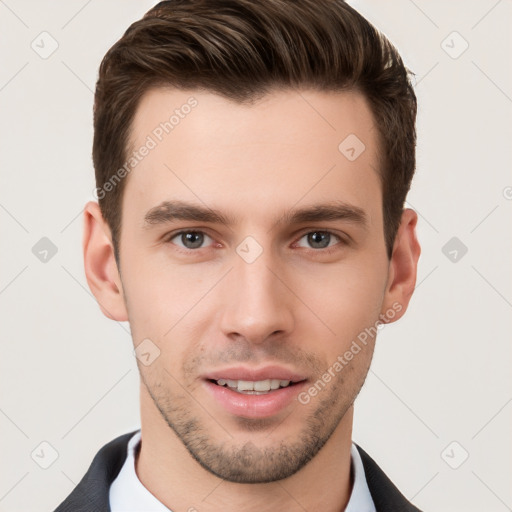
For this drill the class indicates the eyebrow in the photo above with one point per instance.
(169, 211)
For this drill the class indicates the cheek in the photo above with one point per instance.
(345, 300)
(166, 305)
(160, 295)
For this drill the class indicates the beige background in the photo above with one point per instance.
(441, 375)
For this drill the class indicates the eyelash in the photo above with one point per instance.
(326, 250)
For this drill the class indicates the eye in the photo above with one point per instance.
(188, 239)
(321, 239)
(193, 239)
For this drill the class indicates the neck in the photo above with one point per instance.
(176, 479)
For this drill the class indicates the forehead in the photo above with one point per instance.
(294, 115)
(289, 146)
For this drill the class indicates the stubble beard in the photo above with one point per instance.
(247, 463)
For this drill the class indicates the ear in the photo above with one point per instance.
(100, 264)
(402, 268)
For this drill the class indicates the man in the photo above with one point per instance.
(252, 161)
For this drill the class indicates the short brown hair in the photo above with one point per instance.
(242, 49)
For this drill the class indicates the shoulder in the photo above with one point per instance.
(92, 491)
(385, 494)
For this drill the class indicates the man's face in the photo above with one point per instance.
(262, 296)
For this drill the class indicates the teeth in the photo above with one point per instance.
(245, 385)
(258, 386)
(262, 385)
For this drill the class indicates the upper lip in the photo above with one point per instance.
(255, 374)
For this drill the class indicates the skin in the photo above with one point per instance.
(297, 305)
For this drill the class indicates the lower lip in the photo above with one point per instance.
(254, 406)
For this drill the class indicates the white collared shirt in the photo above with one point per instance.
(127, 494)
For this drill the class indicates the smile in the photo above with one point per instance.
(258, 387)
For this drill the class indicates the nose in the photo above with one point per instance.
(258, 304)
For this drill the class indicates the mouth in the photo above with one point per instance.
(258, 387)
(254, 393)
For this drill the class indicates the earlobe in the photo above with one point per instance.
(100, 266)
(402, 268)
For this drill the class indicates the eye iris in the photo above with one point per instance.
(193, 237)
(319, 237)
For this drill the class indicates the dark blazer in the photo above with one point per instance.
(92, 492)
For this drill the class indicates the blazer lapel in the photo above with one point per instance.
(386, 496)
(92, 492)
